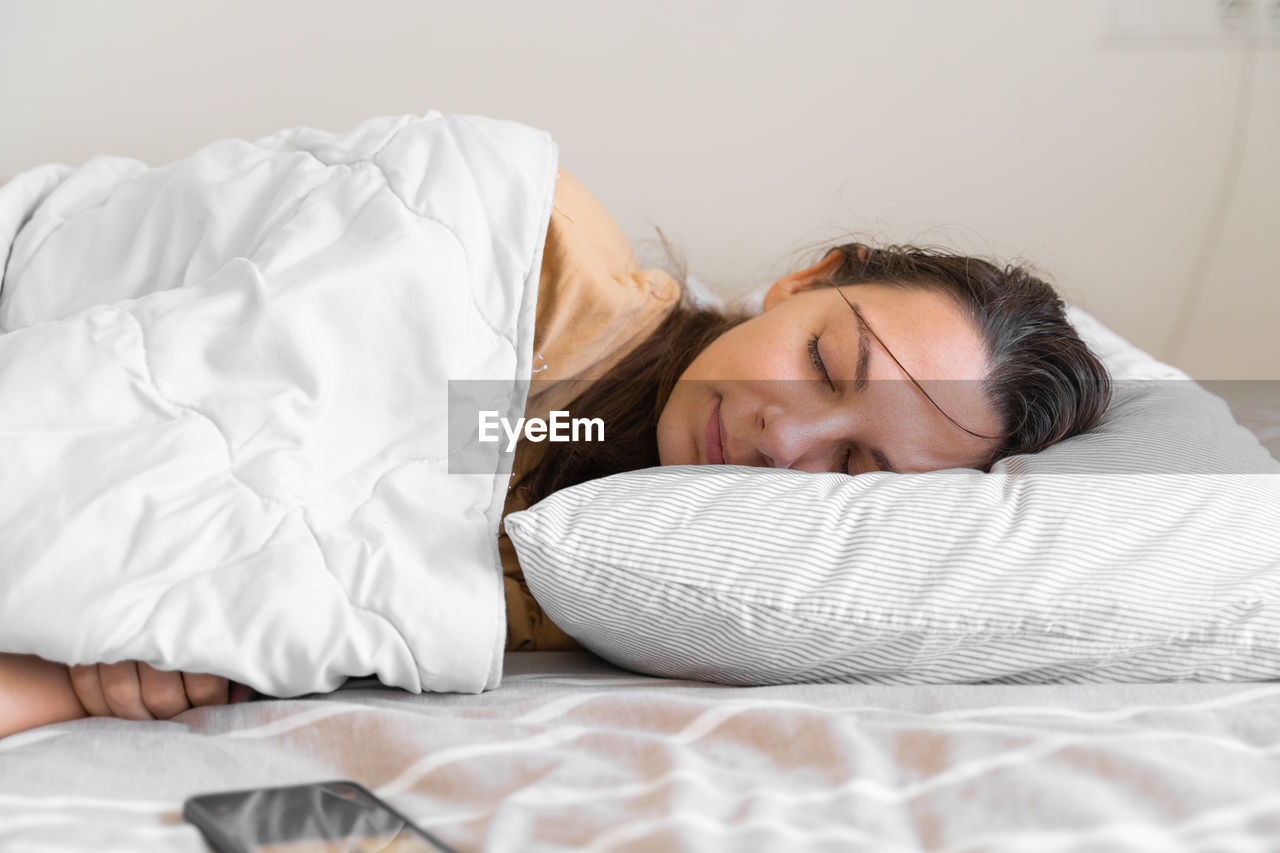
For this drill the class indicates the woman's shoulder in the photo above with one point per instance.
(577, 215)
(595, 300)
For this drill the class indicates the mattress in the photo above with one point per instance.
(571, 753)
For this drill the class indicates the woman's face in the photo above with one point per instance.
(757, 396)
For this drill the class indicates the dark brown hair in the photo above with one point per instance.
(1043, 382)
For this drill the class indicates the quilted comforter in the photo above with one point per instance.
(224, 391)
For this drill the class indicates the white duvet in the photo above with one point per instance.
(223, 402)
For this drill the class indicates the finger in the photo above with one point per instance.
(88, 688)
(205, 689)
(124, 694)
(162, 691)
(242, 693)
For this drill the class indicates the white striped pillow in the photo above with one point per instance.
(1123, 555)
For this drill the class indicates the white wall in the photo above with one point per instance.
(749, 130)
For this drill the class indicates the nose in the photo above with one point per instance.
(803, 440)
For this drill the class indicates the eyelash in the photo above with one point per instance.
(816, 358)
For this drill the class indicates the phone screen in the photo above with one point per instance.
(322, 817)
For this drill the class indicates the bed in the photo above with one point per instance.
(573, 753)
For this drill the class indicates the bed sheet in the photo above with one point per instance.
(1256, 405)
(571, 753)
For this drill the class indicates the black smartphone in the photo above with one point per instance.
(324, 817)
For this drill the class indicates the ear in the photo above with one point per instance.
(788, 286)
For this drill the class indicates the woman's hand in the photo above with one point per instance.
(134, 690)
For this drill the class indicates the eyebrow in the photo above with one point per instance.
(861, 380)
(882, 461)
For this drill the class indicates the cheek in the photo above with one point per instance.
(709, 364)
(743, 352)
(675, 441)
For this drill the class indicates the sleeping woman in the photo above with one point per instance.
(870, 359)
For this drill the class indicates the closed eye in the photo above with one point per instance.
(816, 358)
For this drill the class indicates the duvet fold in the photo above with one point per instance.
(224, 401)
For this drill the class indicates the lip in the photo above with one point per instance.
(713, 435)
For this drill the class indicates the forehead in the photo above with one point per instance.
(918, 437)
(934, 340)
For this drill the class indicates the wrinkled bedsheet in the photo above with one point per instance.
(224, 402)
(571, 753)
